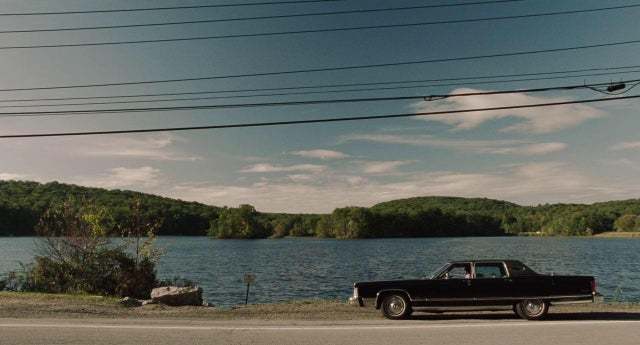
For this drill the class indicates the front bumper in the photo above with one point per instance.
(356, 300)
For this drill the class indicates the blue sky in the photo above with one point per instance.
(580, 153)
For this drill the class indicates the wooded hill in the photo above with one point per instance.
(23, 203)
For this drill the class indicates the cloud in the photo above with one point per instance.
(154, 147)
(382, 167)
(532, 149)
(320, 154)
(536, 120)
(11, 176)
(122, 177)
(268, 168)
(515, 147)
(529, 183)
(627, 145)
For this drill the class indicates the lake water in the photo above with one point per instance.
(296, 268)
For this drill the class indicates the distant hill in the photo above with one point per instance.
(446, 203)
(22, 203)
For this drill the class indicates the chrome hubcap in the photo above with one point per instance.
(395, 306)
(533, 308)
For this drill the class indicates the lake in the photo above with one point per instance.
(301, 268)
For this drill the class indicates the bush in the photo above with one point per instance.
(76, 256)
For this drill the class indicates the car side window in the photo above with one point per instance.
(458, 271)
(490, 270)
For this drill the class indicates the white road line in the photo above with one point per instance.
(315, 328)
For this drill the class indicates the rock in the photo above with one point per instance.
(177, 296)
(147, 301)
(130, 302)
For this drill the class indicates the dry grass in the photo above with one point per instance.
(619, 234)
(35, 305)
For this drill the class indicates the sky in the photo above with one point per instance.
(574, 153)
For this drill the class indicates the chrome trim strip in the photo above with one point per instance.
(509, 298)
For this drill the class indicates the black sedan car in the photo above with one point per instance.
(477, 285)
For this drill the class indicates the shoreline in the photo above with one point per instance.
(23, 305)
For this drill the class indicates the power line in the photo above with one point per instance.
(354, 67)
(290, 87)
(168, 8)
(284, 93)
(310, 121)
(264, 34)
(300, 15)
(281, 103)
(281, 16)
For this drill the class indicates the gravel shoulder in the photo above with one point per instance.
(47, 306)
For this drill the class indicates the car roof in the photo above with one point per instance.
(483, 261)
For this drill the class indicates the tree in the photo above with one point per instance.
(627, 222)
(241, 222)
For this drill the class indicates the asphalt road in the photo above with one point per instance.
(444, 332)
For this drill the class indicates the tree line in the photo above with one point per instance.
(22, 205)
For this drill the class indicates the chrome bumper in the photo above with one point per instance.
(356, 300)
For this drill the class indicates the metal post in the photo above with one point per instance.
(246, 299)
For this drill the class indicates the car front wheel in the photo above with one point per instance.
(532, 309)
(396, 307)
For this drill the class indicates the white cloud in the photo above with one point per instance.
(530, 183)
(382, 167)
(627, 145)
(532, 149)
(122, 177)
(537, 120)
(11, 176)
(516, 147)
(153, 147)
(268, 168)
(320, 154)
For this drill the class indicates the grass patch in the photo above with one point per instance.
(41, 305)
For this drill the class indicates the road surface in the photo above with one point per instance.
(430, 331)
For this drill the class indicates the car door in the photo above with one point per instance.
(452, 287)
(491, 284)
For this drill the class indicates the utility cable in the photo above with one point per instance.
(310, 121)
(294, 103)
(299, 15)
(287, 2)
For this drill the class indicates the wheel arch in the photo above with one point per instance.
(382, 293)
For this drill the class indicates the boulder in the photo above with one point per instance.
(177, 296)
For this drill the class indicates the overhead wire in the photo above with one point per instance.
(311, 121)
(356, 28)
(306, 31)
(163, 8)
(281, 94)
(305, 102)
(296, 87)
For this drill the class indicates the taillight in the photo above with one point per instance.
(593, 285)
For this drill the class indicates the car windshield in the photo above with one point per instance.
(438, 271)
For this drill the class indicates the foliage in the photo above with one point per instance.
(23, 203)
(627, 222)
(76, 256)
(241, 222)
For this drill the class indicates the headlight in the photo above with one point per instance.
(355, 292)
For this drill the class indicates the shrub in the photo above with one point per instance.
(76, 256)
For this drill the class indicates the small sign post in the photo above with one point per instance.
(248, 279)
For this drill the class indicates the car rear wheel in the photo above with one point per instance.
(396, 307)
(532, 309)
